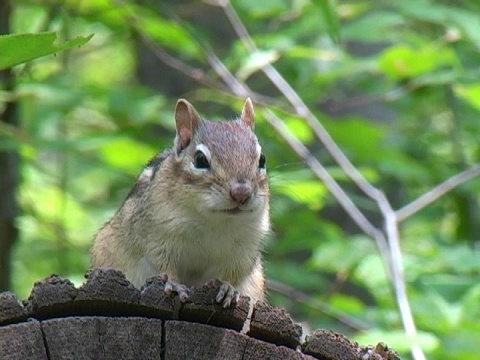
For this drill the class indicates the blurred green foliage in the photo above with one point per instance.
(395, 83)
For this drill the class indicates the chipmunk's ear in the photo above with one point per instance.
(187, 121)
(248, 114)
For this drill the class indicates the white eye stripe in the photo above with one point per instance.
(259, 149)
(204, 149)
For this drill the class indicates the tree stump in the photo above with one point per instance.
(108, 318)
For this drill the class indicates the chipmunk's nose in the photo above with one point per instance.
(240, 191)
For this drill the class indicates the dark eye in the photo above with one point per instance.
(261, 162)
(200, 160)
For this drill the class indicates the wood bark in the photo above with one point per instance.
(108, 318)
(9, 170)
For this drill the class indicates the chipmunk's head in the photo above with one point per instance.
(220, 163)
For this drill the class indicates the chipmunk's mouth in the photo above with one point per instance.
(234, 211)
(237, 210)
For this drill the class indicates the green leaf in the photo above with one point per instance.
(348, 304)
(371, 271)
(166, 32)
(311, 193)
(431, 305)
(375, 26)
(363, 138)
(302, 187)
(300, 129)
(20, 48)
(344, 255)
(470, 308)
(465, 19)
(127, 154)
(256, 61)
(52, 206)
(470, 93)
(259, 9)
(402, 61)
(330, 16)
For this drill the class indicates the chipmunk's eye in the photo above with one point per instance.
(262, 161)
(200, 160)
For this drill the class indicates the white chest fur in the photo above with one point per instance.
(225, 247)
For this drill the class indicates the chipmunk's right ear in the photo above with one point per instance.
(187, 121)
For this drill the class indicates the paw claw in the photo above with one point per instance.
(227, 295)
(173, 287)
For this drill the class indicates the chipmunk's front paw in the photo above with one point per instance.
(172, 287)
(227, 295)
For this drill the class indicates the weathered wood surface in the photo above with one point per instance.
(108, 318)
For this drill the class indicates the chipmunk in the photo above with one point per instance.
(197, 213)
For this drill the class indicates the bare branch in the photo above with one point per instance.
(398, 276)
(239, 89)
(316, 304)
(390, 251)
(437, 192)
(394, 256)
(235, 85)
(195, 73)
(331, 184)
(300, 107)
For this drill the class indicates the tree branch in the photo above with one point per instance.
(316, 304)
(9, 168)
(241, 89)
(300, 107)
(390, 250)
(195, 73)
(399, 283)
(437, 192)
(391, 223)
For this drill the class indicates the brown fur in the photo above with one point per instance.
(175, 221)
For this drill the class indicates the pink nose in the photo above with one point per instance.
(240, 191)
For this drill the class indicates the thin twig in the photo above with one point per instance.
(235, 86)
(336, 190)
(399, 283)
(200, 75)
(437, 192)
(395, 265)
(241, 89)
(300, 296)
(388, 252)
(300, 107)
(195, 73)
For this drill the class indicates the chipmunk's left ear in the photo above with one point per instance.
(187, 121)
(248, 114)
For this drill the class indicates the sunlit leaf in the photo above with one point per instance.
(257, 61)
(328, 9)
(374, 26)
(349, 304)
(309, 192)
(166, 32)
(19, 48)
(342, 255)
(127, 154)
(300, 129)
(470, 93)
(402, 61)
(447, 315)
(371, 271)
(362, 137)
